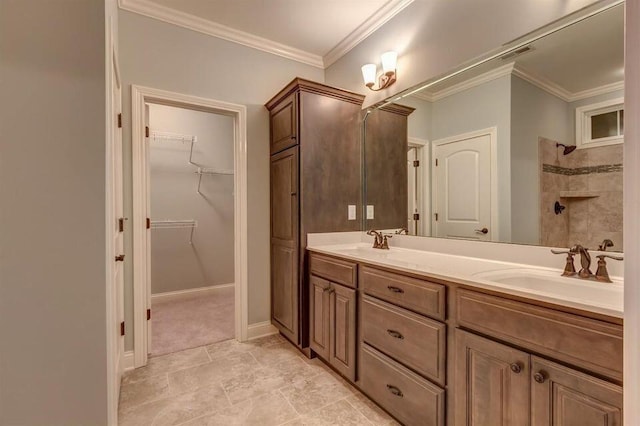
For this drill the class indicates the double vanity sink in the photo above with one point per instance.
(539, 283)
(437, 338)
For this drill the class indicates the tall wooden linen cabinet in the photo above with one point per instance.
(315, 176)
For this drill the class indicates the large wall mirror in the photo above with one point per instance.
(525, 147)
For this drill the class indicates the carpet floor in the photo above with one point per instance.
(192, 321)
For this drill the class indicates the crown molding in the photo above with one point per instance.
(195, 23)
(364, 30)
(518, 71)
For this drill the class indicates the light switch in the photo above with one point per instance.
(370, 211)
(352, 212)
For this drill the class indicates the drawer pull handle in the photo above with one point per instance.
(395, 289)
(516, 367)
(394, 390)
(395, 334)
(540, 377)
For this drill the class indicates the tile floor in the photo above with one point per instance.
(263, 382)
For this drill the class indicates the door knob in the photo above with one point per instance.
(120, 258)
(482, 231)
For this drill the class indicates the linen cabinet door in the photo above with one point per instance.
(284, 124)
(343, 330)
(319, 331)
(561, 396)
(491, 383)
(284, 243)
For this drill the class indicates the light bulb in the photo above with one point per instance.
(369, 74)
(389, 60)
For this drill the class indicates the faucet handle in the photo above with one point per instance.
(602, 274)
(569, 268)
(385, 242)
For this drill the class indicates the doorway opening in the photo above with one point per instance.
(192, 213)
(189, 224)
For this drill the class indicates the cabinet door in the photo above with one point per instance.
(491, 383)
(319, 316)
(284, 243)
(561, 396)
(343, 330)
(284, 124)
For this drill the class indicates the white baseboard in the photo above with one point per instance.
(127, 361)
(180, 294)
(260, 329)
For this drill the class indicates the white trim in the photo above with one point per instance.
(424, 185)
(517, 70)
(141, 286)
(201, 25)
(364, 30)
(181, 294)
(260, 329)
(127, 361)
(583, 123)
(492, 132)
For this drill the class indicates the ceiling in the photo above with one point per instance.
(315, 32)
(576, 59)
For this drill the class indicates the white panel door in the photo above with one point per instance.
(412, 190)
(462, 188)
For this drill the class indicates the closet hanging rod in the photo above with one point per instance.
(174, 224)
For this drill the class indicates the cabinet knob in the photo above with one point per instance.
(395, 289)
(516, 367)
(540, 377)
(395, 334)
(394, 390)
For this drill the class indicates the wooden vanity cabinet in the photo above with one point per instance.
(315, 174)
(332, 328)
(497, 384)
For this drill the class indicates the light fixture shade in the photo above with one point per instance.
(369, 74)
(389, 60)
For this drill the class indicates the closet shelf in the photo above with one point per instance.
(210, 171)
(174, 224)
(578, 194)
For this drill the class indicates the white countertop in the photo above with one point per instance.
(591, 296)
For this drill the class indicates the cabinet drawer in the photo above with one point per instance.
(336, 270)
(417, 295)
(407, 396)
(588, 343)
(415, 341)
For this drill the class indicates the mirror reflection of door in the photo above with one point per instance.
(412, 191)
(462, 187)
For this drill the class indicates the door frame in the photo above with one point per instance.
(141, 275)
(424, 186)
(114, 357)
(492, 132)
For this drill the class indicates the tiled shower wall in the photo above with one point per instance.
(588, 219)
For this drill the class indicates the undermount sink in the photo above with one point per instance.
(550, 282)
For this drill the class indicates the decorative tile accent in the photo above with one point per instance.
(566, 171)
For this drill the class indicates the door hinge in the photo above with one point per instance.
(148, 314)
(148, 223)
(146, 131)
(122, 328)
(416, 163)
(120, 120)
(416, 216)
(436, 162)
(436, 214)
(121, 224)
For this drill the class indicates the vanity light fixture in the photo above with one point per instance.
(388, 77)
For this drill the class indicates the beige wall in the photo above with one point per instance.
(53, 356)
(176, 263)
(165, 56)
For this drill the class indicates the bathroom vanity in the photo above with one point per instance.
(432, 341)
